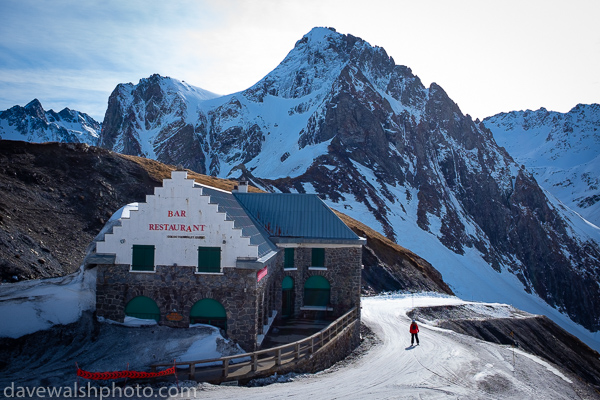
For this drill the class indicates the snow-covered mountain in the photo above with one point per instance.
(158, 118)
(561, 149)
(339, 118)
(33, 124)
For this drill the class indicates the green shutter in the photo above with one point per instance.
(209, 312)
(143, 307)
(288, 261)
(318, 257)
(316, 291)
(287, 283)
(209, 259)
(142, 258)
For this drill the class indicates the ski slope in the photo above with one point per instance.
(445, 365)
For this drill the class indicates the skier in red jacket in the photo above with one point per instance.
(414, 332)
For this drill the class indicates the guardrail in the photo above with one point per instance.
(247, 364)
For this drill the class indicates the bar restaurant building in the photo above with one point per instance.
(195, 254)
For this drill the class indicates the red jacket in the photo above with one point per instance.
(414, 328)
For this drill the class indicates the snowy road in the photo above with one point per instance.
(445, 365)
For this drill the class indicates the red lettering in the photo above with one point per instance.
(183, 213)
(169, 213)
(151, 227)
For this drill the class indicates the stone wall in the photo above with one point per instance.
(175, 289)
(343, 269)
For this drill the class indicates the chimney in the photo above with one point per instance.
(243, 187)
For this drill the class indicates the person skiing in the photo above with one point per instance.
(414, 332)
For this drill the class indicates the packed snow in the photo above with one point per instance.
(444, 365)
(34, 305)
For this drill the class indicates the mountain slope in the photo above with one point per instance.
(561, 149)
(338, 117)
(33, 124)
(155, 119)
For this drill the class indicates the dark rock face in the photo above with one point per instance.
(461, 177)
(561, 149)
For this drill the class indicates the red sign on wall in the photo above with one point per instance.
(261, 274)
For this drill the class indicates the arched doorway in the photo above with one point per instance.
(316, 291)
(287, 298)
(209, 312)
(142, 307)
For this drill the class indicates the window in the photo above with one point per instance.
(143, 258)
(287, 297)
(288, 260)
(209, 259)
(209, 312)
(316, 291)
(318, 257)
(142, 307)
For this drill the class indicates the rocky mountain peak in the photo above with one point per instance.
(337, 117)
(33, 124)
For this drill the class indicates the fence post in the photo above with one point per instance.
(225, 368)
(254, 362)
(192, 372)
(278, 356)
(297, 350)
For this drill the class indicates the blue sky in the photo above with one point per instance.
(489, 56)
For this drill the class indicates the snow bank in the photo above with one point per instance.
(31, 306)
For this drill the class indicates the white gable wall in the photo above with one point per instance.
(177, 219)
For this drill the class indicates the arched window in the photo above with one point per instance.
(142, 307)
(209, 312)
(316, 291)
(287, 298)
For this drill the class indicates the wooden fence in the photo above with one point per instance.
(250, 364)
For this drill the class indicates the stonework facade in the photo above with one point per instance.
(151, 262)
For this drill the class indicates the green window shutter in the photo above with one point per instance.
(317, 291)
(142, 307)
(288, 261)
(287, 283)
(142, 258)
(209, 312)
(318, 257)
(209, 259)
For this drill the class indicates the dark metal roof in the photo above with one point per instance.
(295, 215)
(234, 212)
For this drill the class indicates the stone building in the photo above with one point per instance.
(236, 260)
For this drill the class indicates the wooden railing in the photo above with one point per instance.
(247, 364)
